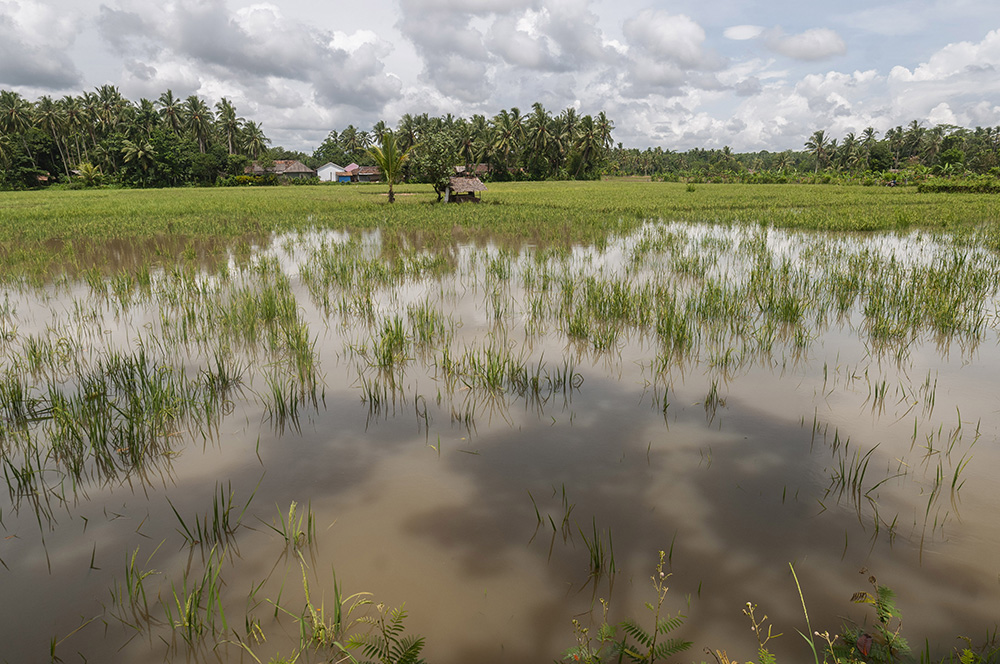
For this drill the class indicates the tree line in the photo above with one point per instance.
(944, 150)
(103, 136)
(508, 146)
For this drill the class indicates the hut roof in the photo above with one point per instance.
(465, 185)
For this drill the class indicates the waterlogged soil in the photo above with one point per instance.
(522, 449)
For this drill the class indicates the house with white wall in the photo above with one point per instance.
(328, 172)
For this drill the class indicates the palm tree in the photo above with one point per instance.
(539, 135)
(407, 131)
(507, 133)
(91, 117)
(74, 113)
(142, 154)
(228, 123)
(16, 117)
(146, 117)
(849, 153)
(588, 142)
(468, 148)
(605, 126)
(378, 131)
(868, 139)
(171, 111)
(819, 146)
(4, 149)
(50, 116)
(198, 118)
(110, 106)
(912, 138)
(254, 141)
(352, 141)
(390, 159)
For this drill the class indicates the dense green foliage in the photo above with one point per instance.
(102, 136)
(509, 146)
(171, 142)
(901, 154)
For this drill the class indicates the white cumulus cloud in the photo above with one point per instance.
(815, 44)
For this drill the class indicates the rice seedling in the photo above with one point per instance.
(221, 527)
(601, 559)
(130, 602)
(298, 529)
(194, 610)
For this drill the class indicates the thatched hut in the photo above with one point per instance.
(463, 190)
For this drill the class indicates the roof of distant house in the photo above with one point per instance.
(281, 167)
(478, 169)
(369, 170)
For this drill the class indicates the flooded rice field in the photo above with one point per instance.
(219, 462)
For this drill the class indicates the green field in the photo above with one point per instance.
(549, 209)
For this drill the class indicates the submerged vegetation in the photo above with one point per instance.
(235, 390)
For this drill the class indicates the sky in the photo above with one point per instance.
(753, 75)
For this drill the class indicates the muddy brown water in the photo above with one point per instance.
(423, 505)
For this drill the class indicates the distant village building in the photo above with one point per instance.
(369, 174)
(355, 173)
(348, 174)
(328, 172)
(289, 168)
(463, 190)
(477, 170)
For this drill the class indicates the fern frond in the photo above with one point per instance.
(669, 624)
(669, 647)
(408, 650)
(633, 629)
(606, 632)
(885, 604)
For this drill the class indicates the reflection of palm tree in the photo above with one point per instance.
(390, 159)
